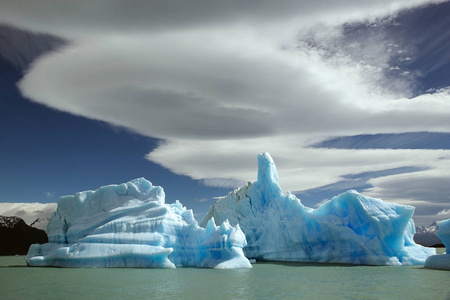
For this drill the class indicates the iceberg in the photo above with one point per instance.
(350, 228)
(130, 225)
(441, 262)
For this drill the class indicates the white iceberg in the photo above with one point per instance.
(350, 228)
(129, 225)
(441, 262)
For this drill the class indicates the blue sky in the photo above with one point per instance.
(343, 94)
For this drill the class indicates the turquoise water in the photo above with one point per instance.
(263, 281)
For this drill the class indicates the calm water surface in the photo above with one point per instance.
(263, 281)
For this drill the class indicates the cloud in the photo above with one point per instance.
(203, 200)
(415, 140)
(238, 87)
(445, 213)
(222, 182)
(78, 19)
(427, 190)
(29, 212)
(417, 186)
(221, 81)
(299, 168)
(20, 47)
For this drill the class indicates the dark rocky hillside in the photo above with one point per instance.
(16, 236)
(426, 236)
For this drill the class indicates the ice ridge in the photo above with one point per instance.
(129, 225)
(350, 228)
(441, 261)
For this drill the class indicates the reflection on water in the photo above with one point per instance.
(264, 281)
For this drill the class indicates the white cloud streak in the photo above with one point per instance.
(299, 168)
(444, 212)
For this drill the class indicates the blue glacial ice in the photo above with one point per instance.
(441, 261)
(129, 225)
(350, 228)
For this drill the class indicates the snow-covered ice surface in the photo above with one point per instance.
(441, 261)
(129, 225)
(350, 228)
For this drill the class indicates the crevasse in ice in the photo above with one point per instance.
(350, 228)
(129, 225)
(441, 261)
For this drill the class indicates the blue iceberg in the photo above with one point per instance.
(350, 228)
(129, 225)
(441, 262)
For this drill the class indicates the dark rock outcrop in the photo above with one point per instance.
(16, 236)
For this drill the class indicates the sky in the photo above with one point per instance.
(344, 94)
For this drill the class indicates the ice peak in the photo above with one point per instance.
(267, 171)
(443, 233)
(268, 179)
(350, 228)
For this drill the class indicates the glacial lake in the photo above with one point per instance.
(263, 281)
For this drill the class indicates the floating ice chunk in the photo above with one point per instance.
(441, 261)
(129, 225)
(350, 228)
(444, 233)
